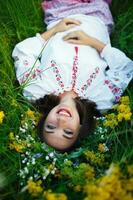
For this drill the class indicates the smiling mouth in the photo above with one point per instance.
(65, 112)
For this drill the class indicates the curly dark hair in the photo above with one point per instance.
(87, 112)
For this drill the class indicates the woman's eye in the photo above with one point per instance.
(50, 126)
(68, 132)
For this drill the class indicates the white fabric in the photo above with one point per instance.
(56, 66)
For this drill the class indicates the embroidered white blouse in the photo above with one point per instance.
(54, 66)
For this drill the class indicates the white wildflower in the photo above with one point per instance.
(21, 173)
(35, 176)
(102, 136)
(53, 172)
(33, 161)
(55, 159)
(24, 161)
(26, 170)
(25, 126)
(47, 157)
(106, 148)
(22, 130)
(51, 155)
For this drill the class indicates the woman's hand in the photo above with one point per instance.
(81, 38)
(78, 37)
(65, 25)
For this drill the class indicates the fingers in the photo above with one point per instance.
(74, 41)
(72, 38)
(72, 21)
(69, 26)
(70, 35)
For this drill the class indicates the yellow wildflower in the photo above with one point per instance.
(125, 100)
(127, 116)
(130, 170)
(54, 196)
(96, 193)
(129, 184)
(77, 188)
(51, 167)
(102, 147)
(68, 163)
(111, 186)
(30, 114)
(123, 113)
(94, 158)
(2, 115)
(17, 147)
(11, 136)
(34, 188)
(111, 120)
(120, 117)
(90, 173)
(124, 108)
(14, 103)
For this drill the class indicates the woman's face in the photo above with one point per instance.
(62, 125)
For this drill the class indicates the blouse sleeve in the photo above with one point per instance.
(120, 68)
(26, 56)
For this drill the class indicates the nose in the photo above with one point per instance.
(62, 120)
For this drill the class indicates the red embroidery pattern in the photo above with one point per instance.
(30, 75)
(75, 68)
(57, 74)
(117, 92)
(90, 79)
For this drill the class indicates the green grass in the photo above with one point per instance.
(23, 19)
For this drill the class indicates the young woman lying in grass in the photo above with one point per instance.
(71, 71)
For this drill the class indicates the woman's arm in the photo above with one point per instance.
(79, 37)
(26, 54)
(120, 70)
(63, 25)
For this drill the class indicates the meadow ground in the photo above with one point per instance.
(102, 168)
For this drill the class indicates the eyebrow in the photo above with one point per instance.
(53, 132)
